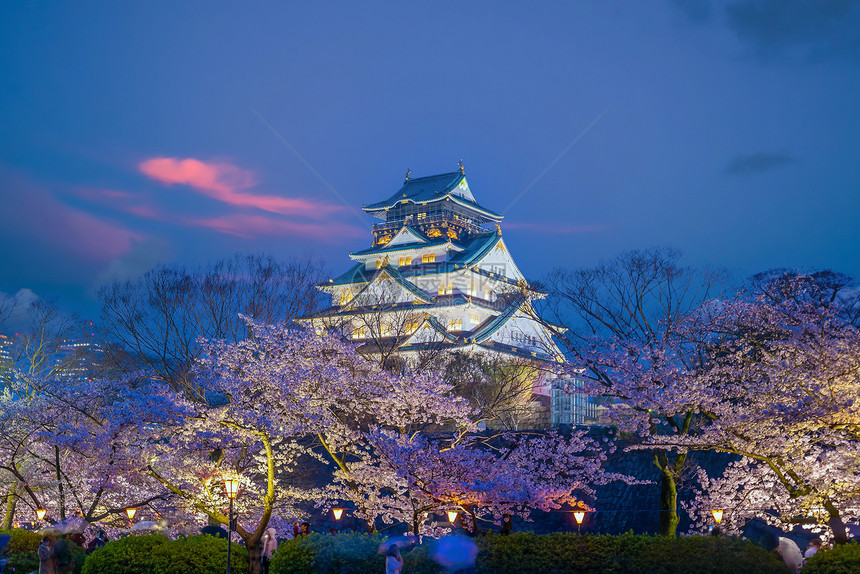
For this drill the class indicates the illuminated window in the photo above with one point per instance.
(441, 289)
(475, 318)
(428, 258)
(385, 331)
(487, 295)
(344, 298)
(470, 291)
(404, 261)
(455, 325)
(411, 328)
(358, 333)
(378, 263)
(449, 289)
(422, 215)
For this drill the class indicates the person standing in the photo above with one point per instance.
(814, 546)
(270, 544)
(65, 562)
(46, 556)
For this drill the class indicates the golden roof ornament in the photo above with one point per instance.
(462, 169)
(385, 261)
(498, 229)
(408, 173)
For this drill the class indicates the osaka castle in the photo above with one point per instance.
(438, 276)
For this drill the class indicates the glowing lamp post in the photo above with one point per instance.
(718, 516)
(452, 516)
(579, 516)
(231, 487)
(338, 512)
(40, 513)
(130, 512)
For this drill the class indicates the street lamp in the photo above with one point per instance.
(338, 512)
(231, 487)
(452, 516)
(579, 516)
(718, 516)
(130, 512)
(40, 513)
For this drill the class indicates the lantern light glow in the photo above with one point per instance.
(338, 512)
(579, 516)
(452, 515)
(231, 486)
(131, 512)
(40, 513)
(718, 515)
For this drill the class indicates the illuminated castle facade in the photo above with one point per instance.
(438, 276)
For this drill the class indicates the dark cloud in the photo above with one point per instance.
(814, 28)
(772, 29)
(747, 164)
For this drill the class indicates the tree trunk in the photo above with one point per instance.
(415, 523)
(834, 521)
(11, 505)
(668, 524)
(255, 553)
(60, 489)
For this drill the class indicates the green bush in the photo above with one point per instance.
(22, 540)
(200, 554)
(131, 555)
(155, 554)
(844, 559)
(525, 553)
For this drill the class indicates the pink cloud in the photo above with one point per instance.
(553, 228)
(228, 183)
(247, 226)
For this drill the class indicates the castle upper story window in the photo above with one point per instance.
(475, 318)
(379, 263)
(404, 261)
(428, 258)
(455, 325)
(359, 333)
(344, 298)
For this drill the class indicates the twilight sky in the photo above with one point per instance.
(139, 132)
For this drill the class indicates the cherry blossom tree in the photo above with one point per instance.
(278, 396)
(636, 335)
(782, 393)
(775, 383)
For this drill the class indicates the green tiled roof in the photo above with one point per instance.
(400, 247)
(431, 189)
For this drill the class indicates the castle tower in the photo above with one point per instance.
(438, 276)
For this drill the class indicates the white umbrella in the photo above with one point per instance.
(399, 541)
(790, 554)
(71, 525)
(146, 525)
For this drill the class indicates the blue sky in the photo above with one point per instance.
(133, 133)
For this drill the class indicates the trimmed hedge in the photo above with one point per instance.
(627, 553)
(843, 559)
(348, 553)
(156, 554)
(526, 553)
